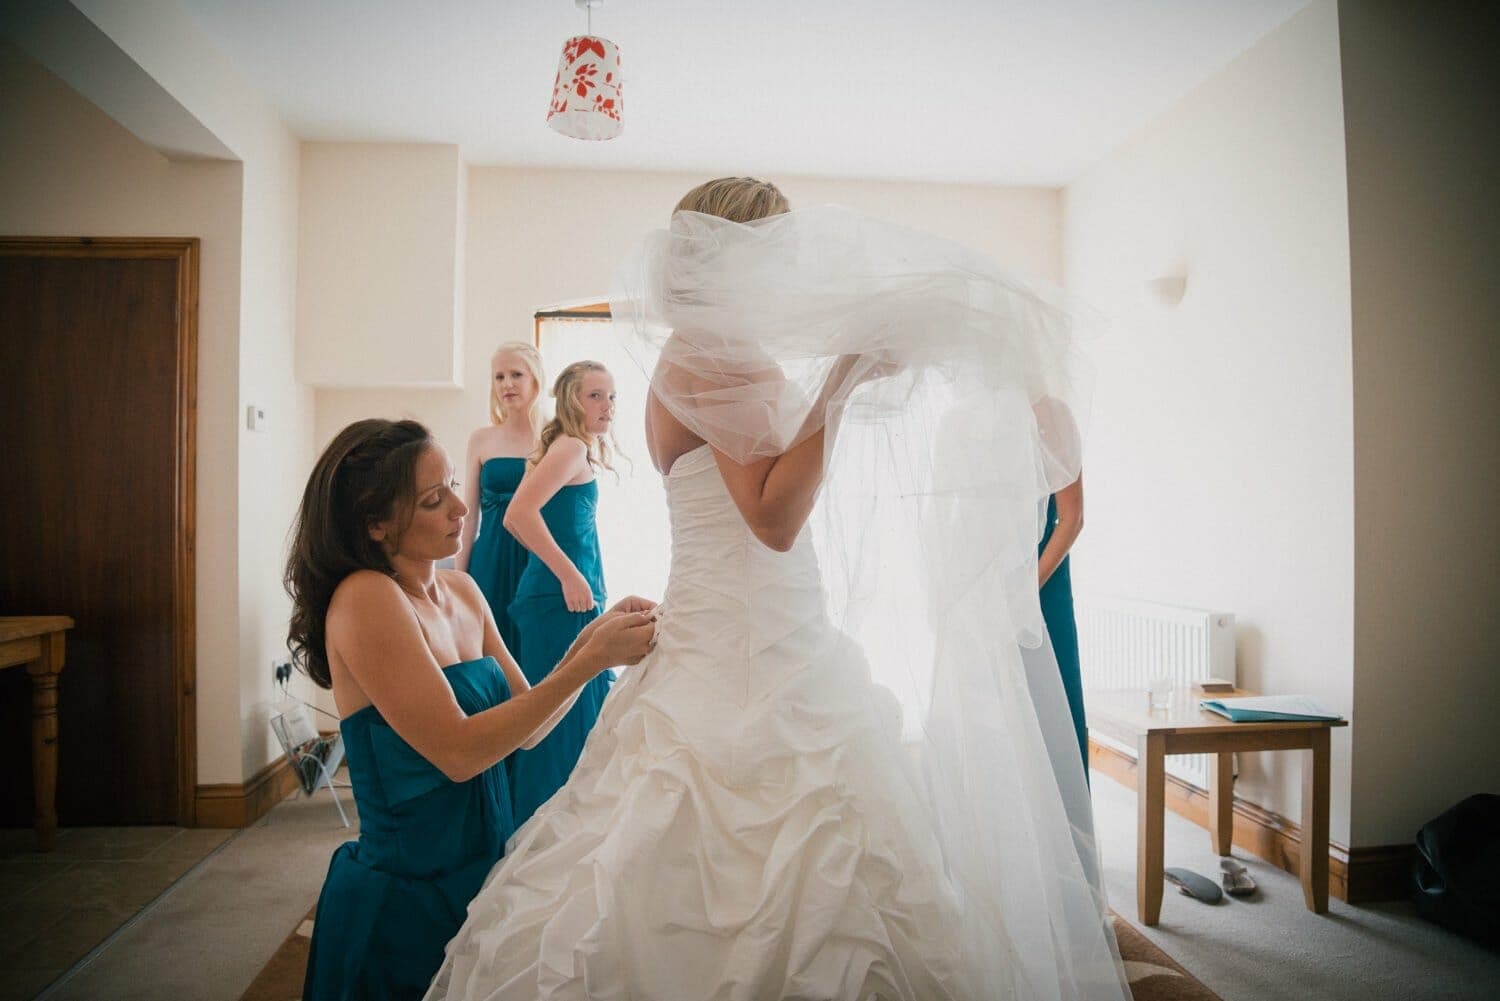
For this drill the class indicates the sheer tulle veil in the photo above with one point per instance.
(958, 393)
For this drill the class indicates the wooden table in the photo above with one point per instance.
(37, 642)
(1186, 728)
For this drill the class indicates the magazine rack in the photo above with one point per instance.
(314, 757)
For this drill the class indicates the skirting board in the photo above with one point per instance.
(1356, 876)
(240, 805)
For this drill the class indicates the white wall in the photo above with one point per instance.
(1424, 237)
(273, 464)
(1220, 469)
(380, 289)
(540, 237)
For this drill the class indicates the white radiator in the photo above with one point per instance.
(1126, 644)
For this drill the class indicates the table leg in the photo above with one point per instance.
(1151, 805)
(1315, 803)
(1221, 800)
(44, 674)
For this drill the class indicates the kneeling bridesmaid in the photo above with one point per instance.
(431, 702)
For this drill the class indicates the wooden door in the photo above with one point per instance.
(98, 370)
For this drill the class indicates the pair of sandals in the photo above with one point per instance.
(1236, 878)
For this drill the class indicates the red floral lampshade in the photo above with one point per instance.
(586, 97)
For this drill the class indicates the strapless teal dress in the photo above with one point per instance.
(547, 629)
(1062, 627)
(497, 560)
(394, 898)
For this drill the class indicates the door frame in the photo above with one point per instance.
(185, 252)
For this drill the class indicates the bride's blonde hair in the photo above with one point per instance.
(568, 418)
(738, 199)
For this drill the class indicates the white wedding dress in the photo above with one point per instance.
(753, 817)
(739, 825)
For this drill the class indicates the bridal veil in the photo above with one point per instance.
(957, 393)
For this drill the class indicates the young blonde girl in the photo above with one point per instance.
(496, 460)
(561, 589)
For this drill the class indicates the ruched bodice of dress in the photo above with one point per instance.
(498, 479)
(732, 604)
(498, 559)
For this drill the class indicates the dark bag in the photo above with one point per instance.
(1457, 869)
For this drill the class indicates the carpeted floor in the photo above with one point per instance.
(1270, 947)
(1154, 976)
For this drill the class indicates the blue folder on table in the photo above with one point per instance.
(1264, 708)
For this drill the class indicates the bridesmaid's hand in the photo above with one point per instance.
(625, 606)
(577, 594)
(620, 638)
(633, 603)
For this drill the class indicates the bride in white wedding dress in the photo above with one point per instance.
(831, 778)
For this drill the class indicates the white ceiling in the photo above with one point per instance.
(980, 91)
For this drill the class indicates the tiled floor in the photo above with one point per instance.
(56, 907)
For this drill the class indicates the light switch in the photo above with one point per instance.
(255, 418)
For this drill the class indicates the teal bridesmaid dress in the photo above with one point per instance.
(497, 560)
(1057, 610)
(394, 898)
(547, 629)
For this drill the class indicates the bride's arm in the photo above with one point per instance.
(776, 495)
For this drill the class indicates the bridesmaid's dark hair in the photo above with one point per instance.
(366, 475)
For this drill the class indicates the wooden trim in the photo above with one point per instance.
(185, 251)
(1356, 876)
(1380, 872)
(573, 314)
(149, 247)
(186, 535)
(587, 311)
(240, 805)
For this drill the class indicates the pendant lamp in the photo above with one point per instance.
(586, 96)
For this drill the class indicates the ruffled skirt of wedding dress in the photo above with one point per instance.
(732, 831)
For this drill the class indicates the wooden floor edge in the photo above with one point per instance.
(1355, 876)
(242, 804)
